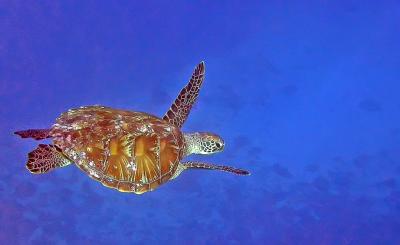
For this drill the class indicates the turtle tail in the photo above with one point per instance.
(37, 134)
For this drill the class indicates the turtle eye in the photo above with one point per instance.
(218, 145)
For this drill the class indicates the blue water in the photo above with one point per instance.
(304, 93)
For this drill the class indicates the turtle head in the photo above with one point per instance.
(203, 143)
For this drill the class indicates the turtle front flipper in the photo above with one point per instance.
(37, 134)
(207, 166)
(45, 158)
(180, 109)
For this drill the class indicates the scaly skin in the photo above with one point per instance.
(45, 158)
(207, 166)
(202, 165)
(37, 134)
(180, 109)
(203, 143)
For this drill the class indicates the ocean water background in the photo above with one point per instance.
(304, 93)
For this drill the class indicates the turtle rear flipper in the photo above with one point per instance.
(37, 134)
(45, 158)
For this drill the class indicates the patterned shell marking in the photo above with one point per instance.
(128, 151)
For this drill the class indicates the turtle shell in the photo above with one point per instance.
(125, 150)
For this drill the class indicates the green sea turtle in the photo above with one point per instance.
(127, 150)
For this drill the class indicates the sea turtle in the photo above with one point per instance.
(127, 150)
